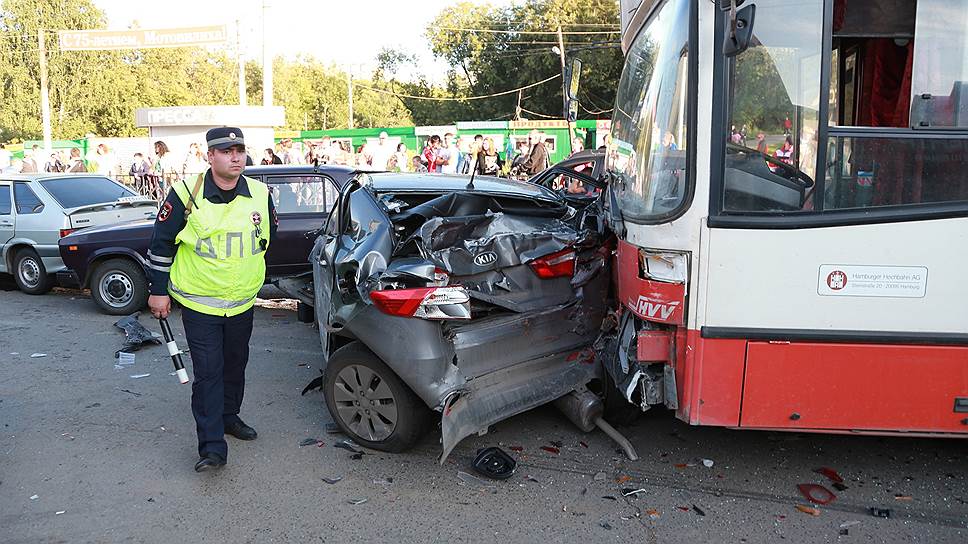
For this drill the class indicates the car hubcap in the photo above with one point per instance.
(30, 272)
(365, 403)
(116, 289)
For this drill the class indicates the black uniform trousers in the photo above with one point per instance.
(219, 348)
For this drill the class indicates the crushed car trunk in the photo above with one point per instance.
(523, 287)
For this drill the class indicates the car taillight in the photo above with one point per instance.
(441, 279)
(65, 232)
(424, 302)
(560, 264)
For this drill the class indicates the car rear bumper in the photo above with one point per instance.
(68, 278)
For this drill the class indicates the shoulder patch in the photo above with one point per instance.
(165, 212)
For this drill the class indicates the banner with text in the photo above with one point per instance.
(101, 40)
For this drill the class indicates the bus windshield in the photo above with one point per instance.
(646, 152)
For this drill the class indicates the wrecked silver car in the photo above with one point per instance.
(476, 300)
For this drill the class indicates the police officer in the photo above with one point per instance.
(208, 253)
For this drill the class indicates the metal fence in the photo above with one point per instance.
(150, 185)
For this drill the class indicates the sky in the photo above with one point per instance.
(348, 33)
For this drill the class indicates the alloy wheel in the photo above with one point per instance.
(365, 403)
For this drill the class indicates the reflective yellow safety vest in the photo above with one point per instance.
(220, 265)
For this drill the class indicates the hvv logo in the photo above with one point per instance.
(650, 309)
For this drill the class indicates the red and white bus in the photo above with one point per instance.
(789, 186)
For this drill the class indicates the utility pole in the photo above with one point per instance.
(243, 99)
(349, 81)
(266, 62)
(44, 98)
(517, 109)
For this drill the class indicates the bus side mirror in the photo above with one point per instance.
(740, 32)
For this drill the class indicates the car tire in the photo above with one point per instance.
(305, 313)
(402, 418)
(30, 273)
(119, 287)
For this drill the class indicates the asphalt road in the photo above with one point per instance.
(109, 458)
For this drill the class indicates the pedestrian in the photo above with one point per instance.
(208, 253)
(195, 162)
(380, 152)
(54, 164)
(761, 143)
(76, 163)
(5, 157)
(403, 165)
(417, 165)
(489, 162)
(139, 170)
(537, 156)
(787, 125)
(269, 157)
(448, 155)
(430, 155)
(30, 161)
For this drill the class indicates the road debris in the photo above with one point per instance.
(383, 481)
(125, 358)
(349, 446)
(631, 491)
(34, 497)
(37, 355)
(605, 525)
(516, 448)
(135, 334)
(816, 494)
(582, 443)
(357, 502)
(847, 524)
(130, 391)
(880, 512)
(653, 514)
(903, 498)
(551, 449)
(840, 487)
(698, 510)
(59, 512)
(311, 442)
(557, 443)
(333, 480)
(332, 428)
(830, 474)
(609, 498)
(708, 463)
(469, 480)
(600, 477)
(808, 510)
(137, 376)
(494, 463)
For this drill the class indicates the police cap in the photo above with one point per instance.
(224, 137)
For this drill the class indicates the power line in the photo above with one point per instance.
(456, 99)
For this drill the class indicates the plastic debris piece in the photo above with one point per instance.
(708, 463)
(135, 334)
(605, 525)
(583, 444)
(125, 358)
(136, 376)
(332, 428)
(356, 456)
(551, 449)
(463, 478)
(840, 487)
(532, 479)
(383, 481)
(698, 510)
(903, 498)
(816, 494)
(34, 497)
(516, 448)
(349, 445)
(132, 392)
(333, 480)
(652, 513)
(830, 474)
(495, 464)
(357, 502)
(631, 492)
(308, 441)
(600, 477)
(59, 512)
(37, 355)
(880, 512)
(808, 510)
(622, 479)
(851, 523)
(684, 508)
(681, 465)
(609, 498)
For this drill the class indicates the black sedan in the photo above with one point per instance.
(110, 260)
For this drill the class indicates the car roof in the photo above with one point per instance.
(42, 176)
(299, 169)
(412, 182)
